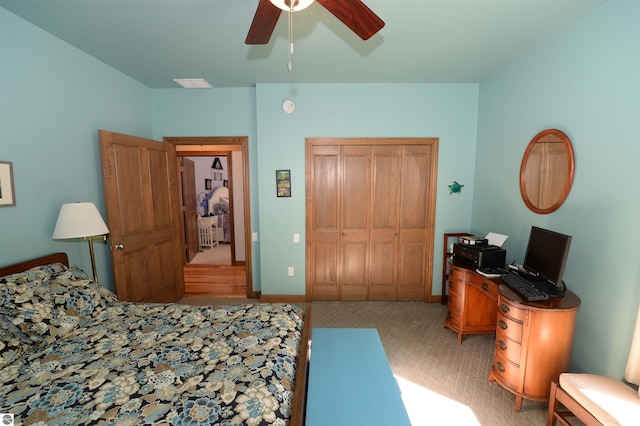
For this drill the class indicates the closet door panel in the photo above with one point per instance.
(354, 271)
(414, 221)
(383, 271)
(386, 191)
(324, 257)
(326, 187)
(323, 246)
(416, 176)
(411, 273)
(356, 186)
(355, 219)
(385, 210)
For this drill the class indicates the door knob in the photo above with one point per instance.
(119, 246)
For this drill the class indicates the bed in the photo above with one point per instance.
(219, 206)
(71, 354)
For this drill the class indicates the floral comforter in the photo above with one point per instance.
(70, 353)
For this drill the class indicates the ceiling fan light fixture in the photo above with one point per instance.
(286, 4)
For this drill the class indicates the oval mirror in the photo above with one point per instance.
(546, 172)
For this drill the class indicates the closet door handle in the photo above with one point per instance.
(119, 246)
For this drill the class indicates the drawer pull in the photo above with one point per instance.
(485, 287)
(500, 367)
(503, 325)
(449, 315)
(504, 308)
(450, 284)
(449, 299)
(502, 345)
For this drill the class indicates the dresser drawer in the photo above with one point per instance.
(454, 319)
(506, 372)
(454, 305)
(455, 298)
(511, 311)
(486, 285)
(457, 274)
(508, 328)
(508, 349)
(455, 286)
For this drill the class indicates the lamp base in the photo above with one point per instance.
(93, 258)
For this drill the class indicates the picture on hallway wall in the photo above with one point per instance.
(283, 183)
(7, 190)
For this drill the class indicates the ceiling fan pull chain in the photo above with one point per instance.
(289, 65)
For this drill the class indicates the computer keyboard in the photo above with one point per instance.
(523, 287)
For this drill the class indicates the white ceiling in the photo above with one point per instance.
(423, 41)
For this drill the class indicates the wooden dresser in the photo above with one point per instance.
(533, 343)
(472, 302)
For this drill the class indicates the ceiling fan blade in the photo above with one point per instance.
(355, 15)
(264, 22)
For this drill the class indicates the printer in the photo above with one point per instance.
(480, 256)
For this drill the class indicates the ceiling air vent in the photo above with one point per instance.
(193, 83)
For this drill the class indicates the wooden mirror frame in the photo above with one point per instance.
(546, 173)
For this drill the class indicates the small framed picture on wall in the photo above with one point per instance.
(7, 189)
(283, 183)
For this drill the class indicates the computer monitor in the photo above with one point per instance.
(547, 253)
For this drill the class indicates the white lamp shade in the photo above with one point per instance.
(77, 220)
(301, 4)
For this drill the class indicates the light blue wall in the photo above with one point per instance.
(53, 100)
(585, 82)
(277, 141)
(355, 110)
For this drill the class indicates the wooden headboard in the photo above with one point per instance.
(28, 264)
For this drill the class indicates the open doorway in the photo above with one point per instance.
(224, 280)
(213, 190)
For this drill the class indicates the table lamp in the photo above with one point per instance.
(81, 220)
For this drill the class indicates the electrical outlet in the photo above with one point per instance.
(290, 271)
(296, 238)
(254, 236)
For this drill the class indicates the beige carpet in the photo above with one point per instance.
(443, 383)
(218, 255)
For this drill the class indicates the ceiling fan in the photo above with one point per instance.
(353, 13)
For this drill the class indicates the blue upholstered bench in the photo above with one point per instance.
(350, 380)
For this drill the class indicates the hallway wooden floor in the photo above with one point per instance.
(215, 280)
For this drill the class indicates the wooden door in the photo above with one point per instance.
(140, 178)
(385, 224)
(417, 184)
(323, 224)
(355, 218)
(370, 218)
(189, 204)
